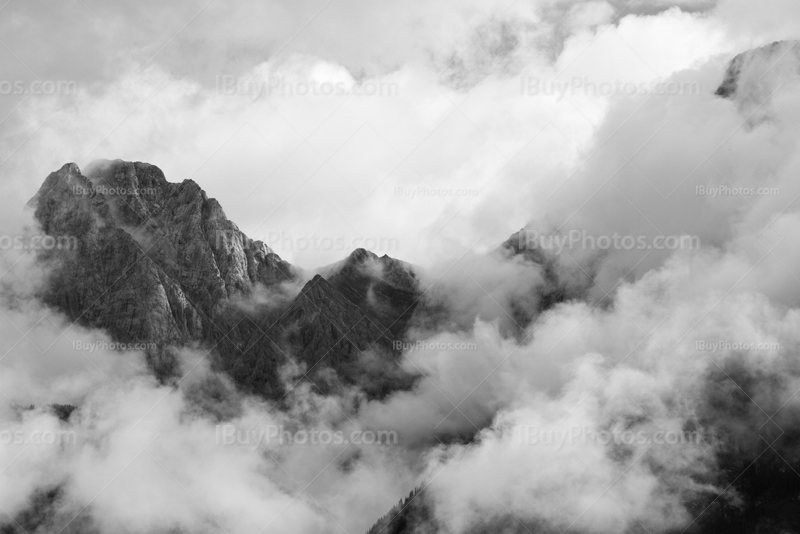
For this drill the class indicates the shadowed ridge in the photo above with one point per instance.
(158, 264)
(386, 289)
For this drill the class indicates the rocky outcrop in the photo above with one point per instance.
(383, 286)
(753, 77)
(159, 263)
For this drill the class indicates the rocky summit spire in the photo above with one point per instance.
(159, 264)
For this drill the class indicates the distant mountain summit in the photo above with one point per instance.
(765, 483)
(159, 263)
(755, 79)
(382, 285)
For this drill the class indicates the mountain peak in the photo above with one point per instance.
(159, 263)
(752, 77)
(360, 255)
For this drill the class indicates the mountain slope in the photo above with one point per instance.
(159, 263)
(386, 287)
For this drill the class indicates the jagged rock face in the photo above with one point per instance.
(753, 78)
(327, 330)
(159, 263)
(384, 285)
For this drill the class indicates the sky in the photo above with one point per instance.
(446, 128)
(449, 127)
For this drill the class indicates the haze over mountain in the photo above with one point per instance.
(620, 265)
(160, 264)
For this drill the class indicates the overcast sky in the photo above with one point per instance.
(425, 130)
(413, 128)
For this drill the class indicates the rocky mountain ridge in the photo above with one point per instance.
(159, 263)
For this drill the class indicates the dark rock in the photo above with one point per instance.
(159, 264)
(382, 286)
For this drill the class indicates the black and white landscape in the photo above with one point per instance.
(309, 266)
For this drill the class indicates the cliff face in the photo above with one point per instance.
(159, 263)
(383, 285)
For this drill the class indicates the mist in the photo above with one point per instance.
(665, 306)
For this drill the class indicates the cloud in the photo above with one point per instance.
(588, 455)
(557, 113)
(403, 162)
